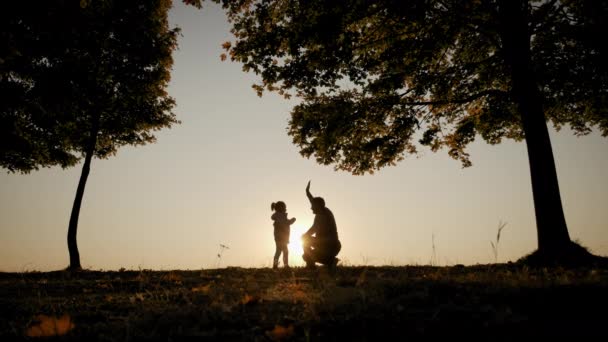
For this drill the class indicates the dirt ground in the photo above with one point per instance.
(494, 302)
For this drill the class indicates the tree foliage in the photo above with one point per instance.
(73, 69)
(378, 78)
(83, 78)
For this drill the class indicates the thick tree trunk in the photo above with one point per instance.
(553, 237)
(73, 225)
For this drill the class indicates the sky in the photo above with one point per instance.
(210, 181)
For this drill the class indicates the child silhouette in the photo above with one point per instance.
(281, 232)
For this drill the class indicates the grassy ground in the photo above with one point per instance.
(497, 302)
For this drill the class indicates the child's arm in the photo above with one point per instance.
(292, 220)
(281, 218)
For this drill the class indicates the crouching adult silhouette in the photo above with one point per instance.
(320, 243)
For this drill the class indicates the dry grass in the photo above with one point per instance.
(356, 303)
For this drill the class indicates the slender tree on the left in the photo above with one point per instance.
(79, 79)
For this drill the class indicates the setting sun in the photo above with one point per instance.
(295, 244)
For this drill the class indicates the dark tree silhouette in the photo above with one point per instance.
(81, 79)
(375, 76)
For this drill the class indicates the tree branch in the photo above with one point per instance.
(490, 92)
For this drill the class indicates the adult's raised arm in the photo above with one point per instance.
(308, 194)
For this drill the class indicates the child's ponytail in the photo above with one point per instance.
(273, 206)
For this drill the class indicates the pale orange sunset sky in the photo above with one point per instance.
(210, 181)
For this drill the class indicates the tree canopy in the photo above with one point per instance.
(81, 79)
(65, 65)
(378, 76)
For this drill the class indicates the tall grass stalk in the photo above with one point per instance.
(433, 261)
(501, 226)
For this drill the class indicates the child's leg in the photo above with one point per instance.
(285, 255)
(277, 253)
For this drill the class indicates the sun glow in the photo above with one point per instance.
(295, 244)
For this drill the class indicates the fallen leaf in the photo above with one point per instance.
(299, 296)
(280, 332)
(203, 288)
(136, 297)
(247, 299)
(50, 326)
(172, 276)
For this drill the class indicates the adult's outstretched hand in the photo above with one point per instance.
(308, 194)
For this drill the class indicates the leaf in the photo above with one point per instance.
(196, 3)
(299, 295)
(248, 299)
(203, 288)
(280, 332)
(173, 276)
(138, 296)
(50, 326)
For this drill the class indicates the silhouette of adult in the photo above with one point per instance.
(320, 243)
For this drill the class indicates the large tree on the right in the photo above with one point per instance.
(377, 76)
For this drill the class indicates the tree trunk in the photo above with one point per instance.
(73, 225)
(553, 237)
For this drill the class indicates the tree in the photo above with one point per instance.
(375, 76)
(83, 78)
